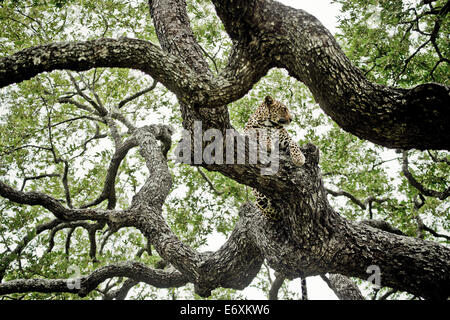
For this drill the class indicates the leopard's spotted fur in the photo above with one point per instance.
(272, 116)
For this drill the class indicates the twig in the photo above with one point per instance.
(210, 183)
(425, 191)
(304, 289)
(137, 94)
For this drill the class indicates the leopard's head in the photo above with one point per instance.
(274, 113)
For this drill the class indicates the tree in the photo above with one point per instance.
(82, 150)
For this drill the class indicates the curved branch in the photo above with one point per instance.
(275, 287)
(382, 225)
(287, 38)
(236, 263)
(108, 192)
(363, 205)
(348, 195)
(137, 95)
(8, 258)
(311, 238)
(55, 207)
(133, 270)
(340, 246)
(343, 287)
(121, 53)
(422, 227)
(416, 184)
(121, 293)
(45, 175)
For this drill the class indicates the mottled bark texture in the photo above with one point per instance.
(311, 238)
(133, 270)
(343, 287)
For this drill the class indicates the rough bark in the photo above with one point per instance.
(134, 270)
(311, 239)
(120, 53)
(276, 286)
(343, 287)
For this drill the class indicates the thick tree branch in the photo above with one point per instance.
(55, 207)
(121, 53)
(382, 225)
(133, 270)
(295, 40)
(350, 249)
(175, 34)
(234, 265)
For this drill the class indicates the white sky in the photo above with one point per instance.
(323, 10)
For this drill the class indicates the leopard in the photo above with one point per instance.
(270, 117)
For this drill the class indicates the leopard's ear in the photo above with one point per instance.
(268, 100)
